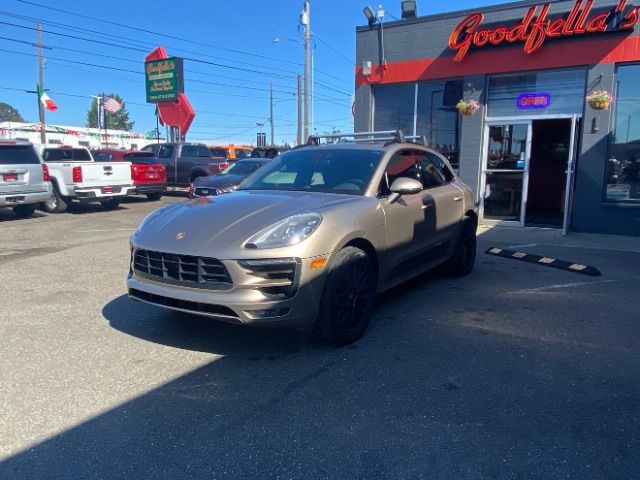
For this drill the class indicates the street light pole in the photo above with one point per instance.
(305, 19)
(271, 110)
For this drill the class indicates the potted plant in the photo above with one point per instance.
(468, 107)
(599, 99)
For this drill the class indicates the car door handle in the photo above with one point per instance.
(457, 199)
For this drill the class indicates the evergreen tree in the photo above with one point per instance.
(9, 114)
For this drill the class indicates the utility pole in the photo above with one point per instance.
(43, 133)
(271, 110)
(299, 135)
(305, 19)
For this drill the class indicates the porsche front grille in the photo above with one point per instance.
(186, 270)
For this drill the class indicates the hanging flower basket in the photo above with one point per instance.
(599, 99)
(467, 107)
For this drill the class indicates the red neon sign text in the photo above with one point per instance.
(535, 28)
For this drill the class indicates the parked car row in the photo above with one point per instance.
(65, 174)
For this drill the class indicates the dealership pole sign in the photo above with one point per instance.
(164, 79)
(535, 27)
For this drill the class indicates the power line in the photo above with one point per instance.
(151, 32)
(333, 49)
(196, 60)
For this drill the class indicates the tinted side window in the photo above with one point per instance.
(433, 171)
(18, 155)
(165, 151)
(195, 151)
(65, 155)
(403, 164)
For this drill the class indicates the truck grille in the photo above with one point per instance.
(187, 270)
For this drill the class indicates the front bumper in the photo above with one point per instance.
(245, 302)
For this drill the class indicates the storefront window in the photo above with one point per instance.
(436, 116)
(537, 93)
(394, 105)
(623, 167)
(438, 119)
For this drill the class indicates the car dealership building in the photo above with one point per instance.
(536, 104)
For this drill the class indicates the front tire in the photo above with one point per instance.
(111, 204)
(155, 196)
(348, 298)
(464, 256)
(24, 211)
(57, 203)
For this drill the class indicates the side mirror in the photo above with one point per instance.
(404, 186)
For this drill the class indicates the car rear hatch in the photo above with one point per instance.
(145, 168)
(20, 170)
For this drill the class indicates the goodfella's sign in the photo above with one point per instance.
(535, 27)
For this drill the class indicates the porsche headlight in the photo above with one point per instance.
(289, 231)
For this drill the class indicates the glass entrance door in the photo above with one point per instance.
(505, 174)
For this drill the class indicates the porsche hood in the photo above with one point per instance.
(213, 225)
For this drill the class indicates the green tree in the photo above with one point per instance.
(9, 114)
(115, 121)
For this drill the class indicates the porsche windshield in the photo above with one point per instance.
(332, 170)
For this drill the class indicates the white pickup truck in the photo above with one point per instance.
(75, 176)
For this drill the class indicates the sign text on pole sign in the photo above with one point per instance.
(535, 27)
(164, 79)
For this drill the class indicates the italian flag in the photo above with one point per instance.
(46, 101)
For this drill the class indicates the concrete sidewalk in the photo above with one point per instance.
(534, 237)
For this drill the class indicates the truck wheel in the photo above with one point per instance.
(111, 204)
(348, 297)
(155, 196)
(57, 203)
(464, 255)
(24, 211)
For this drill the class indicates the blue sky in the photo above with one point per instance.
(229, 102)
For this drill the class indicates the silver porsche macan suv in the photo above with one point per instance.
(309, 239)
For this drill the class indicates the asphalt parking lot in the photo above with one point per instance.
(518, 371)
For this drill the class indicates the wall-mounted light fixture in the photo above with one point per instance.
(409, 9)
(371, 17)
(366, 68)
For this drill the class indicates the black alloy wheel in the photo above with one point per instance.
(464, 256)
(348, 298)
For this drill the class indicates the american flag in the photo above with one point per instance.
(112, 105)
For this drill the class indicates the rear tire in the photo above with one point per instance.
(24, 211)
(111, 204)
(461, 262)
(155, 196)
(348, 298)
(57, 203)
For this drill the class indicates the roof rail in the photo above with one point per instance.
(383, 135)
(388, 136)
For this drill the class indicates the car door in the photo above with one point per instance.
(444, 200)
(409, 222)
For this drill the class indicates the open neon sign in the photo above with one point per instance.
(533, 100)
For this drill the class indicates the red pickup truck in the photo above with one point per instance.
(148, 174)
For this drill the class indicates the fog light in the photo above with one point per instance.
(268, 313)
